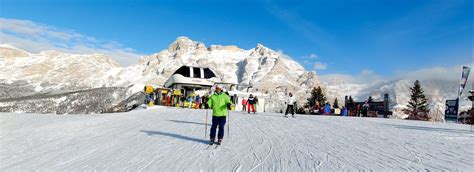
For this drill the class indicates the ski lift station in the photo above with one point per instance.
(189, 80)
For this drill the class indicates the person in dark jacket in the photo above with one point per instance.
(251, 103)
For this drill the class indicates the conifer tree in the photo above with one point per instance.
(350, 104)
(335, 104)
(370, 100)
(418, 101)
(317, 95)
(418, 104)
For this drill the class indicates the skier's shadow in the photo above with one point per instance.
(150, 133)
(188, 122)
(460, 131)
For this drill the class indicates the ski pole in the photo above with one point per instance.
(205, 130)
(228, 124)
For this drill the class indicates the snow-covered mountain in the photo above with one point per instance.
(43, 82)
(60, 69)
(436, 90)
(268, 71)
(261, 67)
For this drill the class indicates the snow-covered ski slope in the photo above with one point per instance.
(169, 139)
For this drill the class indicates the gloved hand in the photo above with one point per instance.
(229, 106)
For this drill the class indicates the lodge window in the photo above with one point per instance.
(208, 73)
(183, 70)
(196, 72)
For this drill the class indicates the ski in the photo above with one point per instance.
(208, 147)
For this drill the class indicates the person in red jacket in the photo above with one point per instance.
(244, 104)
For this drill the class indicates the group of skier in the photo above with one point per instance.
(325, 109)
(220, 103)
(249, 104)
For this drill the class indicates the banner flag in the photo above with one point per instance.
(465, 74)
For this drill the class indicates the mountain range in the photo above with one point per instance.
(58, 82)
(53, 72)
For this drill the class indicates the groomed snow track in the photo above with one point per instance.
(169, 139)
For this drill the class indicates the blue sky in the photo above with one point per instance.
(346, 37)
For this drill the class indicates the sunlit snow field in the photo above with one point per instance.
(169, 139)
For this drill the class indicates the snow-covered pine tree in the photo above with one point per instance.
(317, 95)
(418, 104)
(350, 104)
(370, 100)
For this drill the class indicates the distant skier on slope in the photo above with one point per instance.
(244, 104)
(290, 105)
(365, 108)
(344, 111)
(219, 103)
(327, 109)
(251, 103)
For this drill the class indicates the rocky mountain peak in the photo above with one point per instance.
(263, 51)
(183, 43)
(9, 51)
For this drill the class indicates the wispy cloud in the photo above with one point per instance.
(319, 66)
(35, 37)
(311, 56)
(365, 76)
(452, 73)
(312, 62)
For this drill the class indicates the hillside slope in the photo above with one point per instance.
(169, 139)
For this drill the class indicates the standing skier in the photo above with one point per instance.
(197, 102)
(290, 105)
(327, 109)
(219, 103)
(365, 108)
(244, 104)
(251, 103)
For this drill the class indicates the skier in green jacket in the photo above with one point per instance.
(220, 104)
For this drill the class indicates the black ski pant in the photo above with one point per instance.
(217, 121)
(290, 108)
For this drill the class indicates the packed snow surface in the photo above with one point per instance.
(169, 139)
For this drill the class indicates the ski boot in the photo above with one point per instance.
(212, 141)
(219, 141)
